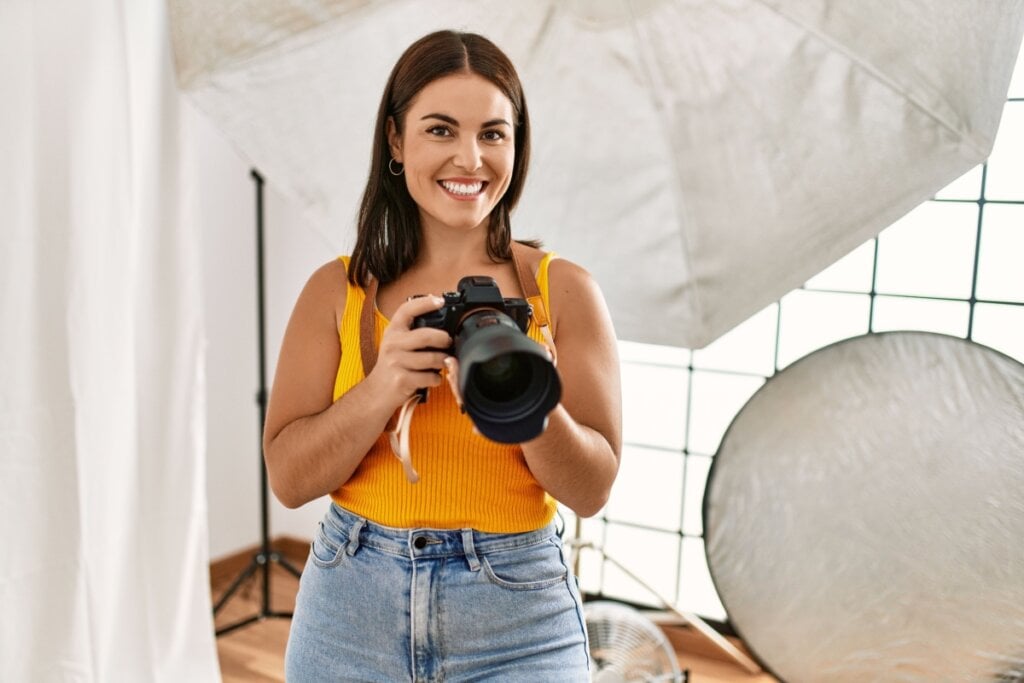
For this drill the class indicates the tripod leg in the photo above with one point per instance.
(237, 583)
(702, 627)
(283, 561)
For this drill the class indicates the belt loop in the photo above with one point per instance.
(467, 547)
(353, 537)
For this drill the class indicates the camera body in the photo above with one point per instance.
(508, 381)
(475, 293)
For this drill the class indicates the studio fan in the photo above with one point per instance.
(626, 647)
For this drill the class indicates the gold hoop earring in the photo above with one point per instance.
(391, 168)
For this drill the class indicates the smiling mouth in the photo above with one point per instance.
(466, 190)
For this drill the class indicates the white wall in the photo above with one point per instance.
(227, 203)
(293, 252)
(226, 209)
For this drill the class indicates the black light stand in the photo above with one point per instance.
(262, 560)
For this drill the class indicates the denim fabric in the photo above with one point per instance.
(382, 604)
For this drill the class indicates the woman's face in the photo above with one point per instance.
(458, 149)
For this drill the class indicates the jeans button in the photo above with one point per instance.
(419, 543)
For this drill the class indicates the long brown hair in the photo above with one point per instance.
(388, 230)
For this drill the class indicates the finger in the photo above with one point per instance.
(424, 340)
(413, 307)
(452, 366)
(426, 379)
(426, 360)
(429, 338)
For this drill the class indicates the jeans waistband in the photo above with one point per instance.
(426, 542)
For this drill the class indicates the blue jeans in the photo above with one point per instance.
(377, 603)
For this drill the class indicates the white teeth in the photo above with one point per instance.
(460, 188)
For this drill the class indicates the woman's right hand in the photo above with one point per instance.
(409, 359)
(312, 442)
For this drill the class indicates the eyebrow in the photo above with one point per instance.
(448, 119)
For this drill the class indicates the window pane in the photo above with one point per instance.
(591, 566)
(852, 273)
(1001, 327)
(569, 519)
(650, 555)
(716, 399)
(1017, 82)
(811, 320)
(1005, 179)
(1000, 275)
(749, 347)
(967, 186)
(696, 590)
(945, 317)
(654, 405)
(697, 467)
(649, 488)
(929, 252)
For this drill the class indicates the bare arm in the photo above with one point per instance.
(576, 459)
(313, 444)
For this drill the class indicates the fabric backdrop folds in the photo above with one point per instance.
(700, 157)
(103, 569)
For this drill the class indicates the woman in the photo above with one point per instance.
(461, 575)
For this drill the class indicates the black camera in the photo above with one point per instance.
(507, 380)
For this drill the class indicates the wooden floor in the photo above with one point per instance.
(255, 653)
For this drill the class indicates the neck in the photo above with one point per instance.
(453, 249)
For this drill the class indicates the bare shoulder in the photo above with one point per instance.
(310, 351)
(576, 298)
(326, 288)
(566, 278)
(330, 276)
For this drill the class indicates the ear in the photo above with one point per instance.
(394, 140)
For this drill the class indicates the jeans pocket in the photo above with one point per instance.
(526, 569)
(324, 551)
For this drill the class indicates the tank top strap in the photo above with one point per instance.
(349, 332)
(542, 278)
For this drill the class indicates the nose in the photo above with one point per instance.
(468, 156)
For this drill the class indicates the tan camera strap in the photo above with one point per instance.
(398, 427)
(367, 328)
(531, 291)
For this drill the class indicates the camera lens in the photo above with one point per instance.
(504, 378)
(511, 389)
(509, 384)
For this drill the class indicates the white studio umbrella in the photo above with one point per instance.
(700, 157)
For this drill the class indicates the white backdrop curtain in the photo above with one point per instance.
(103, 543)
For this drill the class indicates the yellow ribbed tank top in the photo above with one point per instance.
(466, 480)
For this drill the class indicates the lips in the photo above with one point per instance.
(463, 189)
